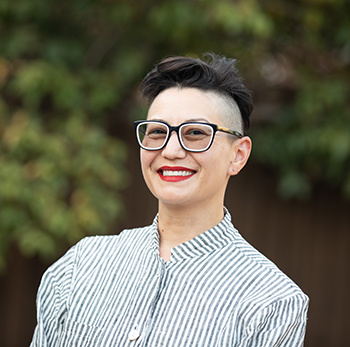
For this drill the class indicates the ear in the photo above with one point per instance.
(241, 151)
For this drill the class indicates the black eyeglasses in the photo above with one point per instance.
(193, 136)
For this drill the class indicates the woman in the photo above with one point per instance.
(189, 279)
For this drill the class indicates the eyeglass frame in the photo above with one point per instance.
(215, 128)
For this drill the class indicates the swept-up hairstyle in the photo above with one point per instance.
(218, 74)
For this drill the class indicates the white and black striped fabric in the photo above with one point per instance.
(216, 290)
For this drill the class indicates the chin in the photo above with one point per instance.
(175, 202)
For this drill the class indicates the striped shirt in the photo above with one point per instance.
(216, 290)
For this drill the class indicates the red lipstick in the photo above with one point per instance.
(175, 173)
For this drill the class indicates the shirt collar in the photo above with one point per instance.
(213, 239)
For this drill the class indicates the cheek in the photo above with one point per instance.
(217, 164)
(146, 158)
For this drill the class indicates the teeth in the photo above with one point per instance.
(177, 173)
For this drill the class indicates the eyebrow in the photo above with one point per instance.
(198, 120)
(189, 120)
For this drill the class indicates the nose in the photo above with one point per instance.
(173, 148)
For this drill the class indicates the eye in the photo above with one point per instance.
(195, 132)
(156, 131)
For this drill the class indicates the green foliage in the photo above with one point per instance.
(68, 78)
(307, 138)
(61, 170)
(56, 186)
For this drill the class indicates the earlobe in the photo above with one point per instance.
(242, 149)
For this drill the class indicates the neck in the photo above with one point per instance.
(178, 224)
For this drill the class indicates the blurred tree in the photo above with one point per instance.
(60, 169)
(68, 75)
(306, 135)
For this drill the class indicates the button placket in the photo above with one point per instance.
(137, 318)
(160, 269)
(160, 273)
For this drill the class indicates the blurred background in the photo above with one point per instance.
(69, 162)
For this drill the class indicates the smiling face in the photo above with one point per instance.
(175, 176)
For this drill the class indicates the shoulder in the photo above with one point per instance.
(93, 249)
(93, 252)
(111, 243)
(271, 307)
(264, 282)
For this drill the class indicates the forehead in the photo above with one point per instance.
(177, 105)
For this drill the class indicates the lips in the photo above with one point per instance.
(175, 173)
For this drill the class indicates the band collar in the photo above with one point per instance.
(213, 239)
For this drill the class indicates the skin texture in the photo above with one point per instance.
(188, 207)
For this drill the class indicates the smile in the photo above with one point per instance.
(175, 174)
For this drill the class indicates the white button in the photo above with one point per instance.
(134, 334)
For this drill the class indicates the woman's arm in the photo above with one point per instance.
(52, 301)
(280, 324)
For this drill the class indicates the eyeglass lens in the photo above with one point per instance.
(194, 136)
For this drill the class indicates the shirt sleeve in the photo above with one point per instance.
(52, 301)
(280, 324)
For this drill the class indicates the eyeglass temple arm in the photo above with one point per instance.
(229, 131)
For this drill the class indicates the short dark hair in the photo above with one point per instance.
(219, 74)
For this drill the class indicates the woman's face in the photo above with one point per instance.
(175, 176)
